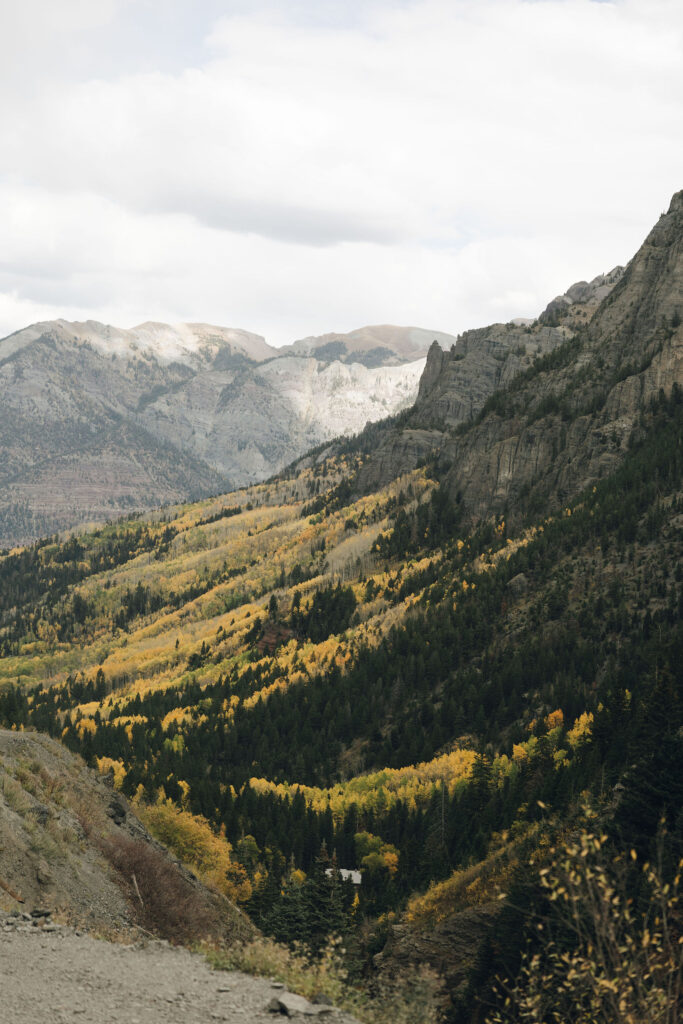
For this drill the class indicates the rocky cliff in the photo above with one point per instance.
(520, 413)
(458, 381)
(456, 384)
(568, 422)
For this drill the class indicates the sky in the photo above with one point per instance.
(305, 166)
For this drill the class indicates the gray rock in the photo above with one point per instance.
(288, 1003)
(117, 810)
(456, 384)
(564, 429)
(43, 873)
(560, 429)
(554, 311)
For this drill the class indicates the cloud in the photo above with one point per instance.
(311, 167)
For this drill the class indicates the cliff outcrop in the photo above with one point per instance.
(525, 414)
(457, 383)
(568, 422)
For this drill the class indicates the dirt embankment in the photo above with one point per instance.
(78, 867)
(70, 844)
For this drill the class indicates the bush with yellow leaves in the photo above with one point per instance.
(196, 844)
(615, 964)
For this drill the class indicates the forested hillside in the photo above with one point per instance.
(465, 708)
(377, 683)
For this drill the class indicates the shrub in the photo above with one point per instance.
(602, 960)
(196, 844)
(163, 900)
(411, 998)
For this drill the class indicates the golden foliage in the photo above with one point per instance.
(413, 784)
(554, 720)
(105, 765)
(198, 847)
(581, 730)
(470, 887)
(623, 966)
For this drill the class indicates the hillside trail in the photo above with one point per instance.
(66, 977)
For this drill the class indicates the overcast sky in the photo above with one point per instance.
(305, 166)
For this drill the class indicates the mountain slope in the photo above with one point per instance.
(404, 681)
(69, 842)
(570, 421)
(375, 676)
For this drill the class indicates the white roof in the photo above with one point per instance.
(346, 873)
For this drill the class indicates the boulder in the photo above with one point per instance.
(288, 1003)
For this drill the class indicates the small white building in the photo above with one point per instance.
(347, 874)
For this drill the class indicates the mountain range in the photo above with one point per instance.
(96, 420)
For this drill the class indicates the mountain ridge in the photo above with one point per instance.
(569, 426)
(203, 409)
(213, 408)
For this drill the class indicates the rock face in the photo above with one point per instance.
(457, 382)
(97, 421)
(570, 422)
(553, 425)
(581, 299)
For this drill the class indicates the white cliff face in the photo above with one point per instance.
(340, 398)
(96, 420)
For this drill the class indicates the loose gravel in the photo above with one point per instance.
(50, 973)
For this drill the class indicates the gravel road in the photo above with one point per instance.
(61, 976)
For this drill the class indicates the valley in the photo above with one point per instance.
(437, 653)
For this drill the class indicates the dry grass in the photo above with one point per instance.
(410, 999)
(14, 795)
(49, 842)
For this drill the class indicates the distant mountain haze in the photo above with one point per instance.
(97, 421)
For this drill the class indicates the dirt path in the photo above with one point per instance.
(63, 977)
